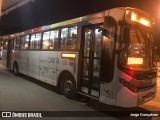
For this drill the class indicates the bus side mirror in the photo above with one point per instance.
(104, 32)
(109, 26)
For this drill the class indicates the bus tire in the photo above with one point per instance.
(15, 69)
(68, 86)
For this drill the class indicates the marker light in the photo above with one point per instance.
(134, 17)
(144, 21)
(134, 60)
(138, 19)
(137, 16)
(68, 55)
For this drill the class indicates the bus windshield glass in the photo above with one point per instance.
(138, 53)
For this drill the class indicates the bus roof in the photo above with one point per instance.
(117, 13)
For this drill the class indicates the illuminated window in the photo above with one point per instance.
(46, 40)
(64, 39)
(50, 40)
(54, 44)
(24, 42)
(32, 41)
(5, 44)
(68, 39)
(35, 41)
(72, 38)
(17, 43)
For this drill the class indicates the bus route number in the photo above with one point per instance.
(53, 60)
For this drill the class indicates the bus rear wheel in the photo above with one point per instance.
(15, 69)
(68, 87)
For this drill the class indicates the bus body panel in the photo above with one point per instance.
(33, 63)
(48, 66)
(68, 64)
(127, 98)
(22, 61)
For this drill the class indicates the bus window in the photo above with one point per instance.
(64, 39)
(32, 41)
(24, 42)
(98, 43)
(17, 43)
(97, 52)
(45, 44)
(68, 38)
(54, 44)
(72, 38)
(37, 41)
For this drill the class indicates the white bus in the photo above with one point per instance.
(107, 56)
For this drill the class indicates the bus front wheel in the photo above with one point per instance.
(15, 69)
(68, 87)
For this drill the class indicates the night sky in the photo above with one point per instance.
(45, 12)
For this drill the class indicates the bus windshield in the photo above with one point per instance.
(138, 53)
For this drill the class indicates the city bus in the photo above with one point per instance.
(107, 56)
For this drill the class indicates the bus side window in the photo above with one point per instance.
(37, 41)
(22, 43)
(26, 42)
(32, 42)
(45, 43)
(72, 41)
(64, 39)
(17, 43)
(68, 39)
(5, 44)
(54, 43)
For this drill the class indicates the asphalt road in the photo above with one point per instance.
(154, 105)
(21, 93)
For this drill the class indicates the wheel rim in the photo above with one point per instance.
(68, 87)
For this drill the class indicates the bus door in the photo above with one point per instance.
(91, 56)
(9, 51)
